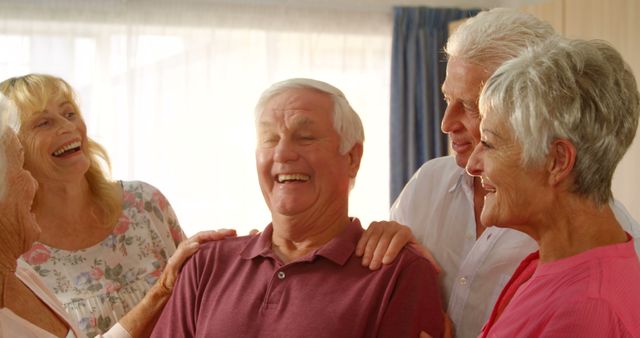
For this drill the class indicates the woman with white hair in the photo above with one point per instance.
(21, 309)
(104, 244)
(28, 308)
(555, 123)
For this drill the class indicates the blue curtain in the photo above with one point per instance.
(418, 66)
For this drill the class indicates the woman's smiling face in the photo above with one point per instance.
(514, 192)
(55, 142)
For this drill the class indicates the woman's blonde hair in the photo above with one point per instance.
(31, 93)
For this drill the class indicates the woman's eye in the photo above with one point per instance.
(42, 123)
(70, 114)
(486, 145)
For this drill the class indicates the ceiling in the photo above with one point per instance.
(368, 5)
(190, 12)
(357, 5)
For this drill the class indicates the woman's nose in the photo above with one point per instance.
(65, 126)
(474, 164)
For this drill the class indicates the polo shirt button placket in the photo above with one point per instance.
(281, 275)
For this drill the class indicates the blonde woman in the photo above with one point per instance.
(104, 243)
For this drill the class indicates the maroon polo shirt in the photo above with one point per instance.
(238, 287)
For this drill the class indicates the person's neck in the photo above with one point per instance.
(575, 226)
(64, 206)
(73, 195)
(295, 236)
(478, 204)
(5, 278)
(8, 261)
(11, 243)
(8, 264)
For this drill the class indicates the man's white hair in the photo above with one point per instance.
(493, 37)
(345, 120)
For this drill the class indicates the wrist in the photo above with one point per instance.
(159, 292)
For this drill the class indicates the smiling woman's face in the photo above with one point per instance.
(513, 192)
(55, 142)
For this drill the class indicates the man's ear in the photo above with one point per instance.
(355, 155)
(560, 161)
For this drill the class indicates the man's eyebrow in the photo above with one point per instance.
(303, 122)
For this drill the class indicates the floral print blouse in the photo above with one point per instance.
(99, 284)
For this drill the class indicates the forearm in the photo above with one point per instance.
(139, 322)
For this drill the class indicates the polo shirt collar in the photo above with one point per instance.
(463, 180)
(337, 250)
(258, 245)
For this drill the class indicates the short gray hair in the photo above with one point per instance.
(345, 120)
(582, 91)
(493, 37)
(8, 119)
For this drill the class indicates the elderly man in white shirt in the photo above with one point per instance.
(441, 203)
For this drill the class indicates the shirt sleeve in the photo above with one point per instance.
(415, 304)
(177, 234)
(117, 331)
(588, 318)
(178, 319)
(156, 203)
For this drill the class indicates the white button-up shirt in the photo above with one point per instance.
(437, 203)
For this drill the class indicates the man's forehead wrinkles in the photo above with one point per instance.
(298, 120)
(289, 120)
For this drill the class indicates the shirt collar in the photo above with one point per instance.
(337, 250)
(464, 180)
(258, 245)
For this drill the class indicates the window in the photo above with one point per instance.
(173, 103)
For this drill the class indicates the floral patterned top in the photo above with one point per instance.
(99, 284)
